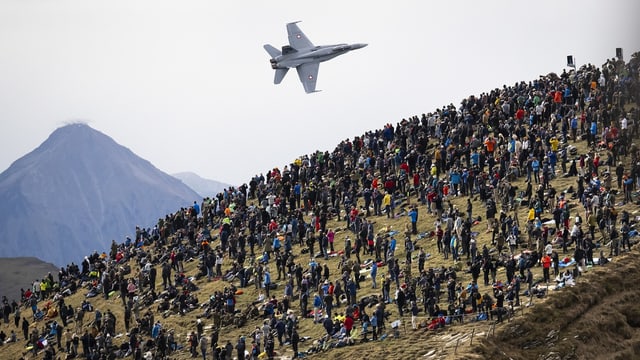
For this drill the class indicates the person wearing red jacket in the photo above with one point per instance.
(348, 325)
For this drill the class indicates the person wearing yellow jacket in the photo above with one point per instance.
(43, 289)
(531, 215)
(553, 143)
(386, 203)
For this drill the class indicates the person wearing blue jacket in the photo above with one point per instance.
(196, 208)
(553, 160)
(454, 177)
(593, 132)
(392, 246)
(373, 320)
(475, 158)
(267, 282)
(374, 273)
(413, 215)
(317, 306)
(276, 244)
(155, 331)
(535, 166)
(466, 189)
(454, 246)
(627, 182)
(574, 129)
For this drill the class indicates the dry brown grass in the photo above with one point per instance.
(589, 321)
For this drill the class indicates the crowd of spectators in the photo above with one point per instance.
(274, 230)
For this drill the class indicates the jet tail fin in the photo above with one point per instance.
(272, 51)
(280, 73)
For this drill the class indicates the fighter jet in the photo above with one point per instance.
(304, 56)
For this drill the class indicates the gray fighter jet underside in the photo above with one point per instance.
(304, 56)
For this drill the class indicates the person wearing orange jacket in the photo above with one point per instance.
(490, 144)
(546, 265)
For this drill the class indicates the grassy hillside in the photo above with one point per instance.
(598, 319)
(559, 323)
(17, 273)
(595, 319)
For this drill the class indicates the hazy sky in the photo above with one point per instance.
(186, 84)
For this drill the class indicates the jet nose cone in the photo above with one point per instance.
(358, 46)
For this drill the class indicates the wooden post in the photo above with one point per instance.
(455, 351)
(472, 333)
(492, 329)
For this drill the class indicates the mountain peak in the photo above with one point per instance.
(81, 189)
(74, 126)
(76, 130)
(204, 187)
(75, 133)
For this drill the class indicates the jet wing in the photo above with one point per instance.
(297, 39)
(308, 74)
